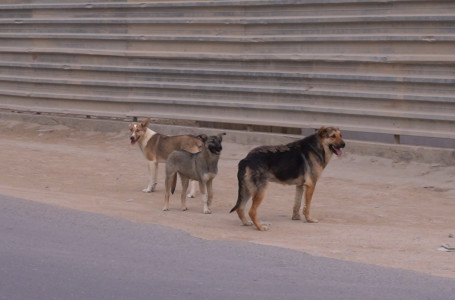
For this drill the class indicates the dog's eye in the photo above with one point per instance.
(333, 136)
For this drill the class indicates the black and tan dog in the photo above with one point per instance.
(298, 163)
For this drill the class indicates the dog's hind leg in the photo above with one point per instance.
(185, 182)
(258, 196)
(168, 183)
(153, 171)
(297, 202)
(309, 189)
(244, 196)
(193, 185)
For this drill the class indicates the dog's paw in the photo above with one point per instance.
(190, 195)
(296, 217)
(263, 228)
(184, 208)
(249, 223)
(207, 211)
(311, 220)
(150, 188)
(165, 209)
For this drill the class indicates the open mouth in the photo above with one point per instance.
(133, 140)
(215, 150)
(336, 150)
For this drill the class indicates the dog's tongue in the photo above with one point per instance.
(338, 152)
(133, 142)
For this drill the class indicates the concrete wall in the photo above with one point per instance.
(380, 70)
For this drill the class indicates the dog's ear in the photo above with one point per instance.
(323, 131)
(203, 137)
(220, 135)
(146, 122)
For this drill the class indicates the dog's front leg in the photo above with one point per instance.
(309, 189)
(193, 185)
(297, 202)
(203, 189)
(209, 193)
(153, 171)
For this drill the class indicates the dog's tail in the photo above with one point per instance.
(173, 183)
(241, 177)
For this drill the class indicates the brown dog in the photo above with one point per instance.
(156, 148)
(299, 163)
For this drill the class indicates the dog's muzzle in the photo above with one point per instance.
(133, 140)
(215, 149)
(336, 149)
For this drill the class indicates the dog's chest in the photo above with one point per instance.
(208, 176)
(149, 134)
(206, 171)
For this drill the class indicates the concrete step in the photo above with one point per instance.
(232, 26)
(400, 67)
(253, 95)
(204, 74)
(198, 9)
(303, 117)
(338, 44)
(225, 103)
(423, 89)
(188, 58)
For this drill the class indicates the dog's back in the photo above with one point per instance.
(163, 145)
(281, 162)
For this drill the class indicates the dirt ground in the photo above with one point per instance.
(371, 210)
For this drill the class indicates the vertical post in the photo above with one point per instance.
(396, 138)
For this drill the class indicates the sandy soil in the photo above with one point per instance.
(371, 210)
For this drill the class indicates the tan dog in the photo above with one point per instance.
(156, 148)
(299, 163)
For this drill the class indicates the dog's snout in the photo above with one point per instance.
(342, 145)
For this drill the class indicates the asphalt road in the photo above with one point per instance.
(54, 253)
